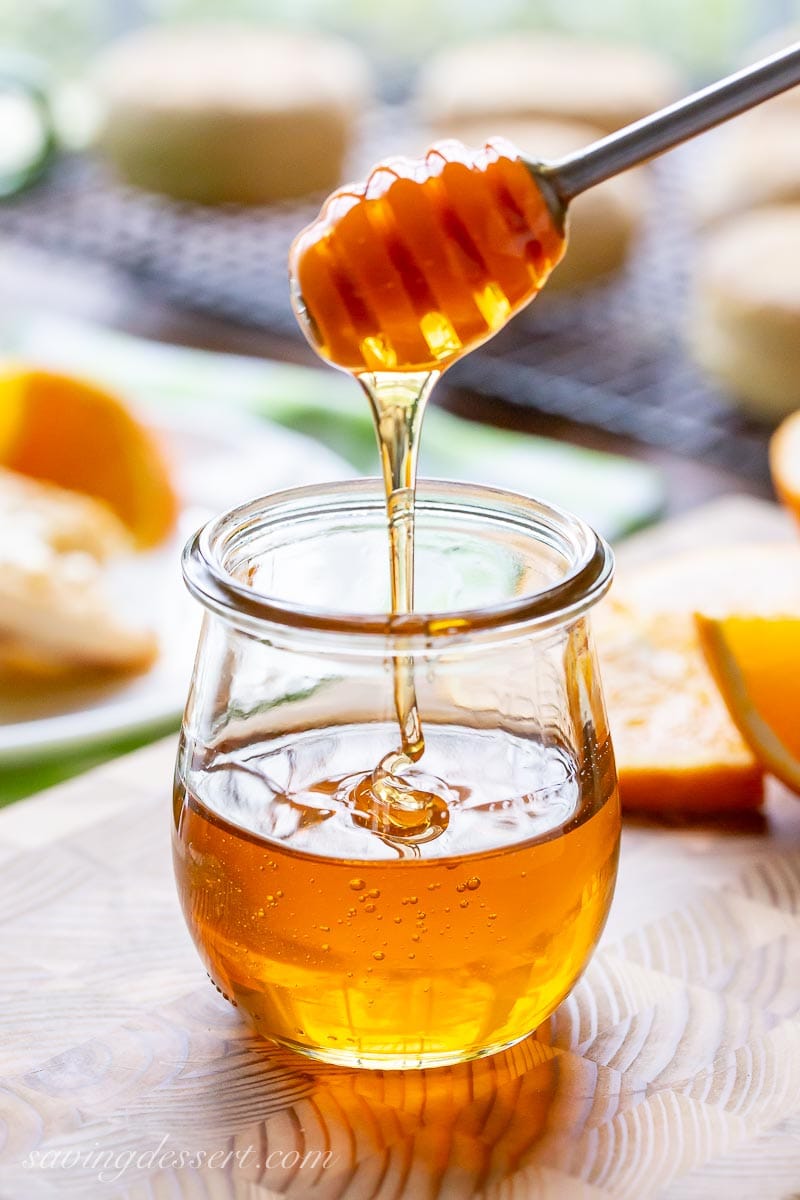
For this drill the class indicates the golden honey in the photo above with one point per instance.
(424, 261)
(460, 949)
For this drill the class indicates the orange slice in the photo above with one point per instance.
(784, 461)
(756, 664)
(677, 745)
(68, 432)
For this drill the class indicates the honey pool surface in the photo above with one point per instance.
(334, 942)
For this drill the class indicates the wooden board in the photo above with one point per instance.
(672, 1071)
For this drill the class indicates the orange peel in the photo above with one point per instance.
(784, 461)
(755, 662)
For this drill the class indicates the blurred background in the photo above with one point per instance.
(158, 156)
(703, 37)
(135, 141)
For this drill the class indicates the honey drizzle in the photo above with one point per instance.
(384, 801)
(398, 404)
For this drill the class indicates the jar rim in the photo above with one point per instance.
(587, 579)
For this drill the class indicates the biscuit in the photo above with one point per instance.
(55, 613)
(224, 113)
(544, 75)
(753, 163)
(746, 309)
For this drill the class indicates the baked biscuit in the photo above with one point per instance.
(55, 613)
(224, 113)
(745, 328)
(526, 74)
(753, 163)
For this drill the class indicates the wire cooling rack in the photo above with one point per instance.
(613, 357)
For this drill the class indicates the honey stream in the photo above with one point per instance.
(384, 801)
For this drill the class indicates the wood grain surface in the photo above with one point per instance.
(672, 1071)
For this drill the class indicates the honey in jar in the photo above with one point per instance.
(328, 939)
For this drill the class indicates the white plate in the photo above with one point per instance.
(215, 469)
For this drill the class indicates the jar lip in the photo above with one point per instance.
(587, 579)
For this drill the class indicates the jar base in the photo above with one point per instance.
(392, 1062)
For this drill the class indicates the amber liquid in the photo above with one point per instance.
(333, 943)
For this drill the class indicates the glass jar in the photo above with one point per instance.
(332, 936)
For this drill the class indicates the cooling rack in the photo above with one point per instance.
(613, 357)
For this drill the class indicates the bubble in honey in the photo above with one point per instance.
(357, 884)
(374, 893)
(370, 908)
(473, 883)
(463, 904)
(378, 955)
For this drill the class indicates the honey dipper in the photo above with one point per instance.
(428, 258)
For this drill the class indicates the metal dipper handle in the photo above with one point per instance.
(567, 177)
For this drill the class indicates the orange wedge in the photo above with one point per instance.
(755, 662)
(68, 432)
(784, 461)
(677, 745)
